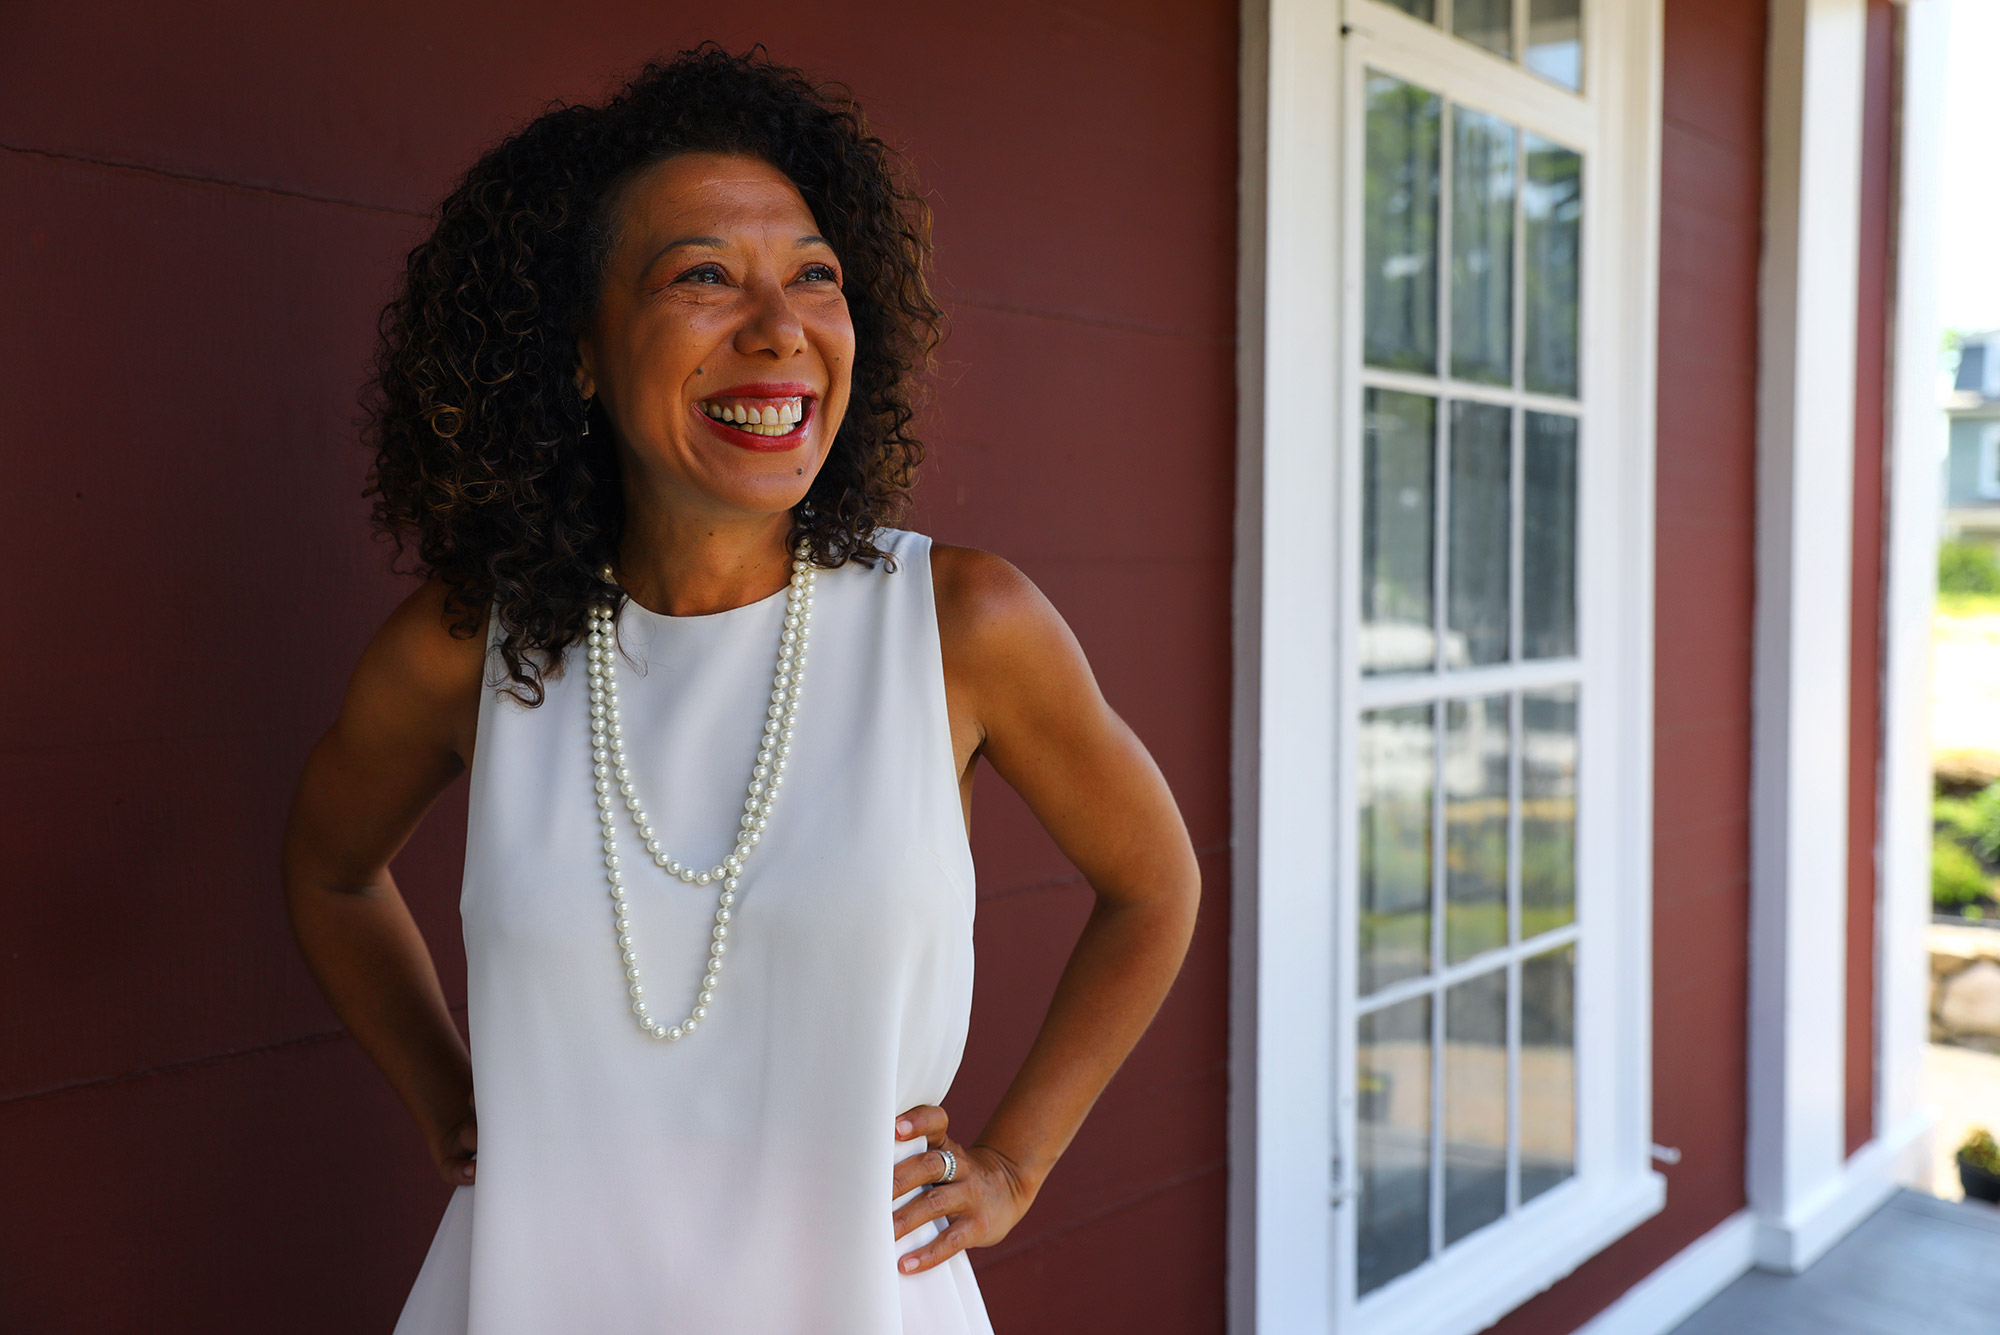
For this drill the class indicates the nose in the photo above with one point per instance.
(771, 326)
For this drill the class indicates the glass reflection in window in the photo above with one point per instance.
(1399, 449)
(1400, 226)
(1393, 1149)
(1397, 757)
(1482, 248)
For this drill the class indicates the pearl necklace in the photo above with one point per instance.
(607, 752)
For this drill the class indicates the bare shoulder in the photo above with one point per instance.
(419, 676)
(988, 609)
(1007, 652)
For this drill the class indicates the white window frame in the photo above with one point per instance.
(1987, 484)
(1300, 691)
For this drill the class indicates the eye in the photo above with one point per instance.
(819, 273)
(702, 273)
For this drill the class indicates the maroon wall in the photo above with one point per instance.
(1710, 224)
(1864, 770)
(200, 213)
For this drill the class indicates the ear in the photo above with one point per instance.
(586, 374)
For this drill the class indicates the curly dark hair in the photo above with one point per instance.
(481, 468)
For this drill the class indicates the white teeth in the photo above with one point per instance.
(769, 420)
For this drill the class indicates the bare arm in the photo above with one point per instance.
(405, 731)
(1022, 696)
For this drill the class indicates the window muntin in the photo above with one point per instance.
(1548, 33)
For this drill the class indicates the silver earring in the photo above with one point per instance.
(806, 513)
(586, 418)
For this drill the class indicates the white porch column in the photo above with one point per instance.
(1916, 449)
(1805, 509)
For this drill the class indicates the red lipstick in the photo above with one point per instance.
(758, 395)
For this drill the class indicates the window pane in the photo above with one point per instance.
(1475, 1104)
(1555, 40)
(1399, 434)
(1488, 23)
(1475, 827)
(1482, 248)
(1393, 1142)
(1548, 537)
(1395, 839)
(1548, 1070)
(1400, 222)
(1551, 212)
(1477, 559)
(1423, 9)
(1548, 810)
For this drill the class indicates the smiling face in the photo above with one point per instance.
(721, 347)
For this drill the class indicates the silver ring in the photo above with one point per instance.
(950, 1166)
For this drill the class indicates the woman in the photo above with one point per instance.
(642, 413)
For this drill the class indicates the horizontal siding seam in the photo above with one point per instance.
(1227, 340)
(1748, 152)
(169, 173)
(11, 750)
(1105, 1211)
(191, 1063)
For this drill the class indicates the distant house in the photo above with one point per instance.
(1972, 463)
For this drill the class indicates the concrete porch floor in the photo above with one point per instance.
(1918, 1266)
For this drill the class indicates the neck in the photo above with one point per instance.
(688, 565)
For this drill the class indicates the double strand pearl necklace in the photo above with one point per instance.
(607, 753)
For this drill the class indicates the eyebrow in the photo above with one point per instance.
(717, 243)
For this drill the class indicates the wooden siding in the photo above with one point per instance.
(204, 207)
(1871, 429)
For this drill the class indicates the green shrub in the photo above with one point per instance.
(1985, 812)
(1955, 816)
(1979, 1149)
(1967, 567)
(1956, 877)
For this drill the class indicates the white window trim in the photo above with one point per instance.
(1290, 1221)
(1987, 483)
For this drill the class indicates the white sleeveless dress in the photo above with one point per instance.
(736, 1182)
